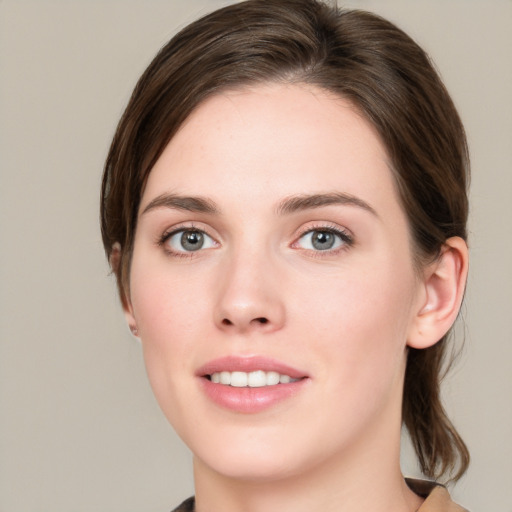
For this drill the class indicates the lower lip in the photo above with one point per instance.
(250, 400)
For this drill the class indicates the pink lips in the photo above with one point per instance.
(249, 400)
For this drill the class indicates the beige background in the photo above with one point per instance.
(79, 428)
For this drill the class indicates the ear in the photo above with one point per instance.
(115, 261)
(442, 292)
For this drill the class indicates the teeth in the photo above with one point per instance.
(256, 379)
(272, 378)
(239, 379)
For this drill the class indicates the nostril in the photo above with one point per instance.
(261, 320)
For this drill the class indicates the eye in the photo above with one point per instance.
(323, 240)
(189, 240)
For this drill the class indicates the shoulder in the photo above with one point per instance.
(186, 506)
(437, 498)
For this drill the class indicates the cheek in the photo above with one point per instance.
(360, 345)
(166, 304)
(164, 309)
(361, 321)
(354, 303)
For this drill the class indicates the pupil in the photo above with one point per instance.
(192, 240)
(323, 240)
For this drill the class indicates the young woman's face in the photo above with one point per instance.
(271, 247)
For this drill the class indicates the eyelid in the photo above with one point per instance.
(179, 228)
(343, 233)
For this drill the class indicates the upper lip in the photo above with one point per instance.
(249, 364)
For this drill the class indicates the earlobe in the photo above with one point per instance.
(115, 260)
(129, 316)
(443, 290)
(130, 319)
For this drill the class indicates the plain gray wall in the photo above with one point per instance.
(79, 427)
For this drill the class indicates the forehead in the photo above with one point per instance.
(270, 141)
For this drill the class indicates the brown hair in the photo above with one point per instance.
(358, 56)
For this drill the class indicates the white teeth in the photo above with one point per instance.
(239, 379)
(272, 378)
(256, 379)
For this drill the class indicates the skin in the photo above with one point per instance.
(343, 317)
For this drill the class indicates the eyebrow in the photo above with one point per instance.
(288, 206)
(186, 203)
(307, 202)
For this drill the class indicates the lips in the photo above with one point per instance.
(250, 384)
(249, 364)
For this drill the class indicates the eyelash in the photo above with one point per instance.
(162, 241)
(346, 239)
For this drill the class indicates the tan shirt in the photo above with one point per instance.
(436, 497)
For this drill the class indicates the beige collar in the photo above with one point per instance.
(436, 497)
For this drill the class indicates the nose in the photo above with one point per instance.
(250, 297)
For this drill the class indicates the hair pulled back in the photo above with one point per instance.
(358, 56)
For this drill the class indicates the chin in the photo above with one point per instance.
(261, 467)
(260, 455)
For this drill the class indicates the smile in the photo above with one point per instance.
(254, 379)
(250, 384)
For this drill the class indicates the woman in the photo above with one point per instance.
(284, 206)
